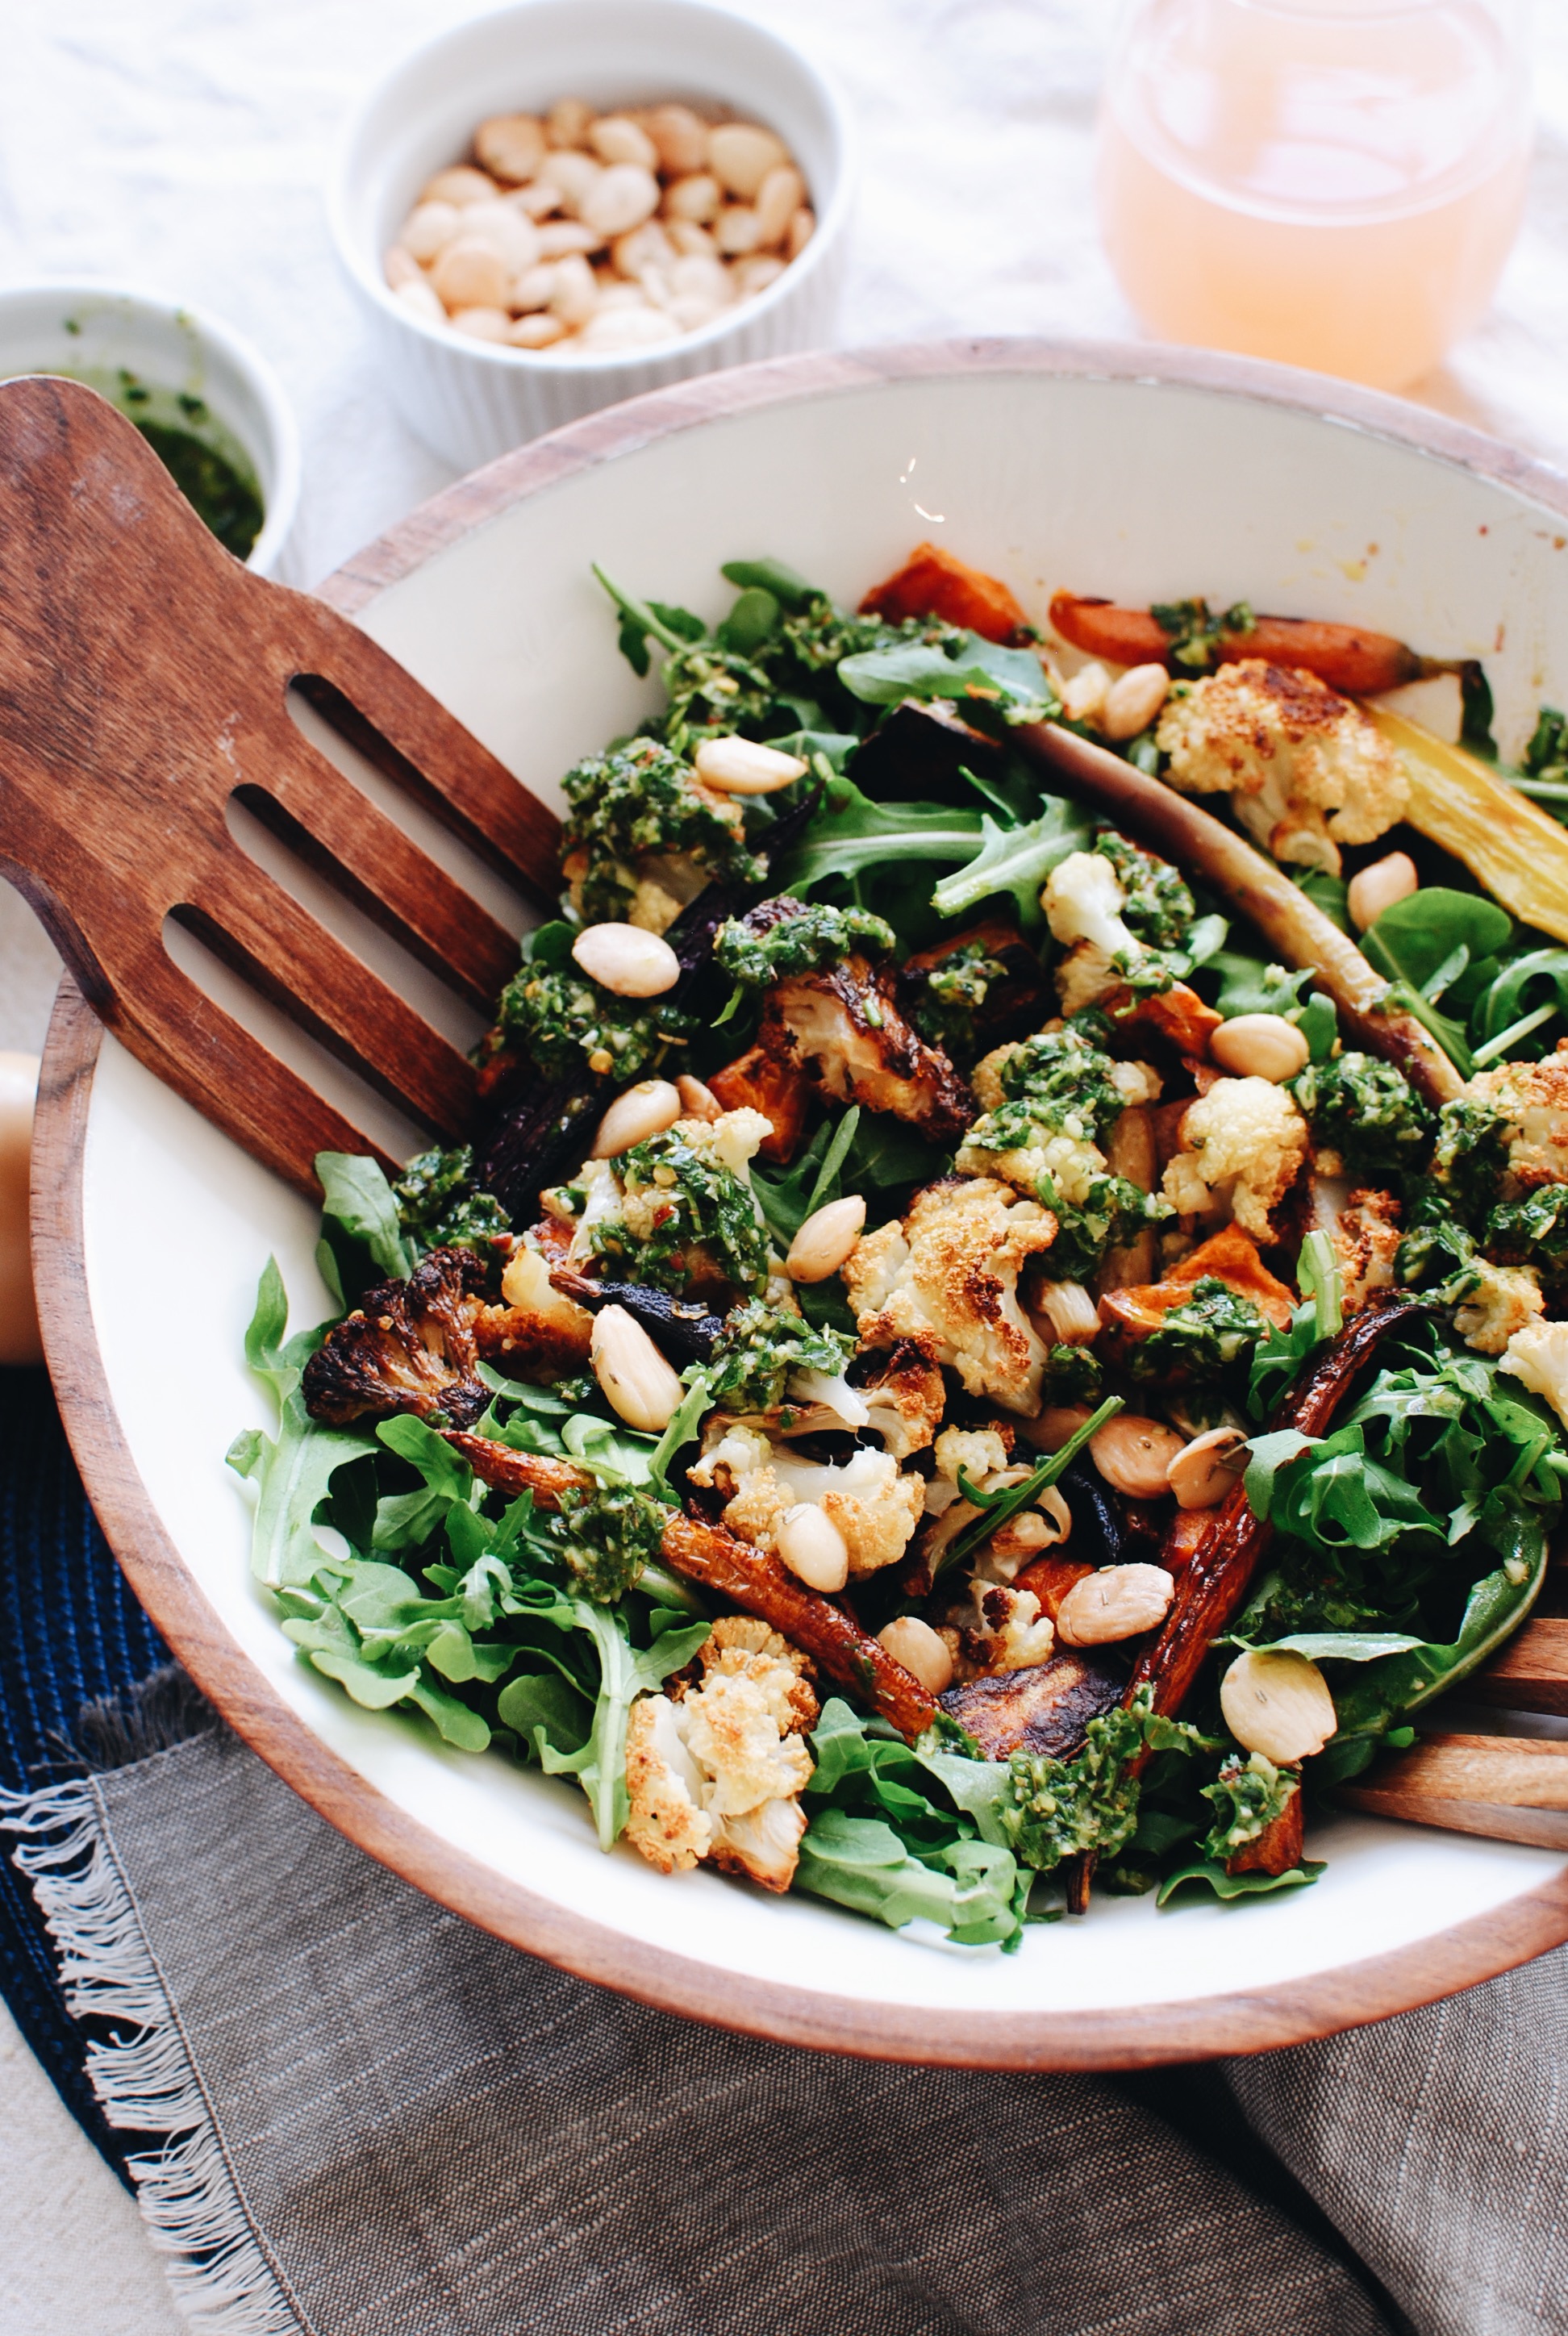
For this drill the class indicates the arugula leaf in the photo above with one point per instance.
(543, 1704)
(849, 834)
(292, 1471)
(967, 1887)
(599, 1764)
(1425, 942)
(1512, 1002)
(1334, 1495)
(1250, 986)
(1213, 1875)
(360, 1200)
(405, 1521)
(685, 1425)
(1017, 860)
(997, 1508)
(1334, 1646)
(776, 576)
(642, 622)
(1012, 678)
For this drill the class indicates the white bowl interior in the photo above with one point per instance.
(1134, 489)
(610, 53)
(93, 331)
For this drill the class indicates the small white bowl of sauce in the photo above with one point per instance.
(208, 405)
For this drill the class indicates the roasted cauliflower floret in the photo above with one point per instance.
(874, 1506)
(1001, 1630)
(643, 835)
(1365, 1238)
(676, 1211)
(843, 1029)
(1083, 901)
(1538, 1354)
(904, 1398)
(409, 1345)
(535, 1334)
(1243, 1143)
(1306, 770)
(1505, 1299)
(948, 1277)
(1533, 1100)
(718, 1772)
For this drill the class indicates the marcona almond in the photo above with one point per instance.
(698, 1101)
(429, 228)
(1259, 1047)
(620, 199)
(458, 185)
(638, 1384)
(510, 146)
(739, 766)
(696, 198)
(480, 323)
(779, 197)
(1071, 1311)
(812, 1546)
(614, 139)
(1118, 1601)
(1132, 1454)
(400, 267)
(1134, 699)
(643, 1110)
(1206, 1470)
(469, 274)
(1277, 1702)
(826, 1239)
(1378, 888)
(566, 123)
(421, 300)
(741, 154)
(925, 1655)
(679, 137)
(626, 961)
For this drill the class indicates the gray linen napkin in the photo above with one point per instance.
(377, 2120)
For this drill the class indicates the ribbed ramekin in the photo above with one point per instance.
(472, 400)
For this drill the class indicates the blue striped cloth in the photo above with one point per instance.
(71, 1634)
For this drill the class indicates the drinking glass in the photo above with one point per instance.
(1334, 183)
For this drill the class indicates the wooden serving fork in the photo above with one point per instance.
(144, 677)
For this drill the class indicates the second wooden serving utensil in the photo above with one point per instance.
(144, 681)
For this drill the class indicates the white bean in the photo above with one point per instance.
(429, 228)
(639, 1385)
(643, 1110)
(421, 301)
(576, 294)
(1277, 1702)
(696, 198)
(698, 1101)
(740, 766)
(1132, 1454)
(1119, 1602)
(573, 174)
(616, 139)
(813, 1547)
(741, 154)
(1134, 699)
(1206, 1470)
(537, 331)
(622, 198)
(1259, 1047)
(680, 137)
(737, 231)
(480, 323)
(566, 123)
(507, 231)
(826, 1239)
(778, 199)
(626, 961)
(1376, 888)
(460, 185)
(510, 146)
(926, 1656)
(469, 275)
(803, 227)
(610, 330)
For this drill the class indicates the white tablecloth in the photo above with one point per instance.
(182, 144)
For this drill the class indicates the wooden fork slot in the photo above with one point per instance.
(1508, 1788)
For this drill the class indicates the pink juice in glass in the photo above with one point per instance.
(1332, 183)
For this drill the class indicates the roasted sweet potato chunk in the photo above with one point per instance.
(932, 583)
(772, 1084)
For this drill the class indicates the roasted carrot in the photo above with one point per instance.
(932, 583)
(1347, 657)
(749, 1578)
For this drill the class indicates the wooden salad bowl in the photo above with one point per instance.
(1138, 473)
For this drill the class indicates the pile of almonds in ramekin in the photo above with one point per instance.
(599, 234)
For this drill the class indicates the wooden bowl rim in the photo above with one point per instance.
(1291, 2012)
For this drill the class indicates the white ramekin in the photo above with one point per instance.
(471, 400)
(92, 330)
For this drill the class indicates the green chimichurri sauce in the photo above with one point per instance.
(213, 487)
(204, 461)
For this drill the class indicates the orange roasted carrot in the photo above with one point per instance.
(1346, 656)
(932, 583)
